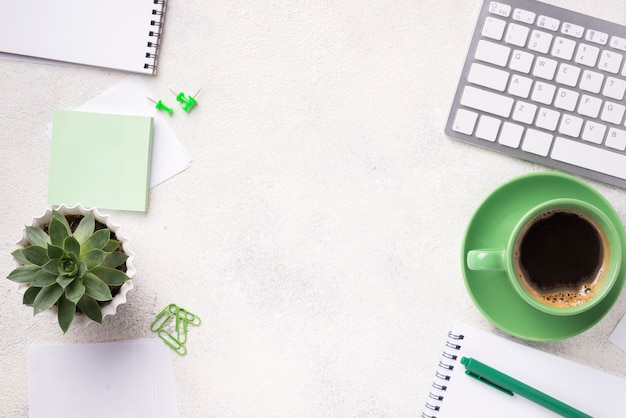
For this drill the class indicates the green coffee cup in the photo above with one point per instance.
(563, 256)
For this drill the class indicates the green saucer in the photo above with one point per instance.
(489, 227)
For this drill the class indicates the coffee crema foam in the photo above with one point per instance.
(582, 289)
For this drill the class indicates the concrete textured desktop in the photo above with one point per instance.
(317, 231)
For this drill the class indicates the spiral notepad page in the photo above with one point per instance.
(455, 394)
(115, 34)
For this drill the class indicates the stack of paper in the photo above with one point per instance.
(125, 379)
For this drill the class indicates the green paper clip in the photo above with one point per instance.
(172, 342)
(178, 337)
(161, 106)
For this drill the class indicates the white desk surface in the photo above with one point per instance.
(317, 231)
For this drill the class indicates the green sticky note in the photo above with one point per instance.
(100, 160)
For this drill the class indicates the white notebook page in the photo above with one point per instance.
(592, 391)
(111, 33)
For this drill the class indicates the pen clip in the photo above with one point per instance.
(488, 382)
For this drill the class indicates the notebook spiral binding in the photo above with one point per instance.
(155, 34)
(442, 375)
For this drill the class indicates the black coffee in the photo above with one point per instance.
(560, 257)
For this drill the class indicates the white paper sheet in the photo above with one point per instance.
(125, 379)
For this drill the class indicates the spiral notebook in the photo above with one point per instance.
(455, 394)
(115, 34)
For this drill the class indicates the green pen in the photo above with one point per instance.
(511, 386)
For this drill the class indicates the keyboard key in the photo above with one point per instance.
(464, 121)
(543, 92)
(492, 53)
(591, 81)
(613, 113)
(524, 112)
(511, 135)
(548, 119)
(520, 86)
(487, 101)
(571, 126)
(614, 88)
(488, 77)
(540, 41)
(549, 23)
(521, 61)
(589, 157)
(593, 132)
(597, 37)
(563, 48)
(566, 99)
(488, 128)
(610, 61)
(587, 55)
(516, 34)
(537, 142)
(568, 74)
(544, 68)
(524, 16)
(572, 30)
(493, 28)
(616, 139)
(618, 43)
(589, 106)
(499, 9)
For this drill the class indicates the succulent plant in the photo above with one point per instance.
(70, 269)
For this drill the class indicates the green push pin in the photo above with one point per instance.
(161, 106)
(187, 102)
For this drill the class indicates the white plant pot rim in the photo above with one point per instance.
(110, 308)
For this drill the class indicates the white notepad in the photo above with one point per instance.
(117, 34)
(455, 394)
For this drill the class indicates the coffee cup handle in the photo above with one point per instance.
(487, 259)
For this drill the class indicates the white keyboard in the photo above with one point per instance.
(545, 84)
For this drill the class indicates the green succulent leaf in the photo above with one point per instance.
(24, 274)
(82, 269)
(110, 276)
(111, 245)
(30, 295)
(37, 237)
(75, 290)
(85, 228)
(93, 258)
(90, 307)
(96, 288)
(44, 278)
(71, 245)
(36, 255)
(52, 266)
(60, 217)
(47, 297)
(55, 252)
(65, 314)
(115, 259)
(19, 256)
(69, 265)
(97, 241)
(64, 281)
(59, 230)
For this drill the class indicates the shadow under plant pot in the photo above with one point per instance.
(73, 265)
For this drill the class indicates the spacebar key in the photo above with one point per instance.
(487, 101)
(589, 157)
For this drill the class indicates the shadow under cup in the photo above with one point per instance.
(562, 257)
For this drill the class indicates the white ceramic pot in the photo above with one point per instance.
(110, 308)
